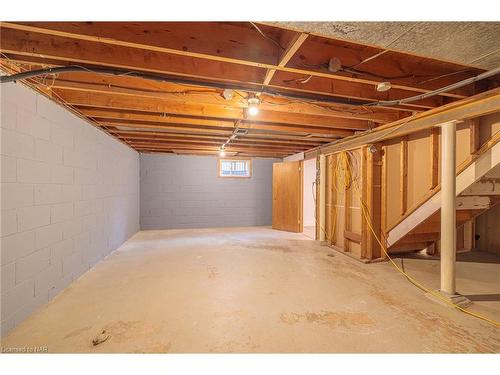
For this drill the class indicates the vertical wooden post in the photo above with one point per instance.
(404, 175)
(347, 216)
(434, 158)
(474, 135)
(372, 197)
(331, 199)
(469, 235)
(321, 198)
(383, 196)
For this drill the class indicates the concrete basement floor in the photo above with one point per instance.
(259, 290)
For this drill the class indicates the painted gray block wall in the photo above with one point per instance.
(69, 196)
(185, 192)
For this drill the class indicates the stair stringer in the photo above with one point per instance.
(477, 169)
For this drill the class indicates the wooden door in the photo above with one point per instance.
(287, 196)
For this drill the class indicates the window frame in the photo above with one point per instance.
(219, 164)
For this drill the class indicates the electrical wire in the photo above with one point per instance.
(160, 78)
(266, 36)
(349, 181)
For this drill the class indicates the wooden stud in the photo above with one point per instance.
(403, 177)
(474, 135)
(434, 150)
(372, 198)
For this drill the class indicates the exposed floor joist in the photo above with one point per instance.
(251, 56)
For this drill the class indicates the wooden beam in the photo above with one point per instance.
(351, 236)
(383, 197)
(65, 50)
(203, 141)
(230, 148)
(102, 100)
(211, 138)
(347, 215)
(434, 150)
(138, 87)
(124, 35)
(474, 135)
(290, 129)
(476, 106)
(286, 56)
(403, 175)
(104, 114)
(372, 198)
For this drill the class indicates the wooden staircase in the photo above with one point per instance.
(478, 190)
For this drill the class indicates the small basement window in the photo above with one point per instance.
(240, 168)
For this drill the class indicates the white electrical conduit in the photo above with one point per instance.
(453, 86)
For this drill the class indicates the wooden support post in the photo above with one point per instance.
(321, 201)
(372, 197)
(434, 158)
(347, 216)
(331, 200)
(448, 208)
(474, 135)
(404, 175)
(383, 196)
(469, 235)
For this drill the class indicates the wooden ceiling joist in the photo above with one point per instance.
(185, 39)
(102, 100)
(312, 89)
(142, 88)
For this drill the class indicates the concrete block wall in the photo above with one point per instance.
(185, 192)
(69, 196)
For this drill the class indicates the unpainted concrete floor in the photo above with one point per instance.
(258, 290)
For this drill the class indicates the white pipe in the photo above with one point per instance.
(453, 86)
(448, 207)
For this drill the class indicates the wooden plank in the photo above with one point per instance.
(119, 36)
(208, 146)
(287, 196)
(102, 100)
(469, 235)
(383, 200)
(281, 129)
(347, 215)
(210, 138)
(351, 236)
(138, 87)
(372, 198)
(117, 117)
(403, 175)
(474, 135)
(434, 157)
(287, 55)
(476, 106)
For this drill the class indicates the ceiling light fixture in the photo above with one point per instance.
(383, 86)
(253, 106)
(222, 152)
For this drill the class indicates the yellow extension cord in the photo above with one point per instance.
(347, 181)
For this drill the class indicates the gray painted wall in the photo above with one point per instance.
(70, 196)
(185, 192)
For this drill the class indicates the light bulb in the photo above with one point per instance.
(222, 153)
(253, 110)
(253, 106)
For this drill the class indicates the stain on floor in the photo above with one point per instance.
(259, 290)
